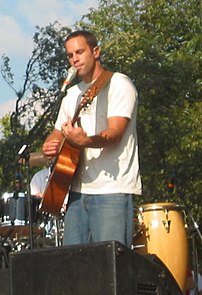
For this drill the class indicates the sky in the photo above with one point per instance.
(18, 21)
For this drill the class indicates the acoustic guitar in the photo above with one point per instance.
(64, 166)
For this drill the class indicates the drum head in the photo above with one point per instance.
(159, 206)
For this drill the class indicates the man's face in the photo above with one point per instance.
(82, 56)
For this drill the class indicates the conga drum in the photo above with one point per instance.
(162, 231)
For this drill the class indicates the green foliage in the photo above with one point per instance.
(158, 44)
(52, 60)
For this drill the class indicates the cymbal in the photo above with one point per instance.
(36, 159)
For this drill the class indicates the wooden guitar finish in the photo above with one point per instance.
(64, 167)
(60, 179)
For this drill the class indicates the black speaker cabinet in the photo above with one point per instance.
(4, 281)
(105, 268)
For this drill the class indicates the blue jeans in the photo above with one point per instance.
(97, 218)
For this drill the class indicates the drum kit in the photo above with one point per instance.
(159, 228)
(47, 230)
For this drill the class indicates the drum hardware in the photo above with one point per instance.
(4, 250)
(14, 223)
(6, 230)
(33, 159)
(166, 222)
(195, 227)
(194, 233)
(8, 212)
(53, 227)
(24, 154)
(57, 232)
(4, 257)
(19, 211)
(138, 246)
(30, 159)
(145, 231)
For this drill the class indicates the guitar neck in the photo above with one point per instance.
(76, 116)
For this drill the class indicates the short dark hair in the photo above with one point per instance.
(90, 38)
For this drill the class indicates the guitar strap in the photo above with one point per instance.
(101, 81)
(95, 87)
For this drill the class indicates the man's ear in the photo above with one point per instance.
(96, 51)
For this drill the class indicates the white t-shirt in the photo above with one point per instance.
(39, 181)
(112, 169)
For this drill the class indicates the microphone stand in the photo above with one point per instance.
(25, 154)
(193, 230)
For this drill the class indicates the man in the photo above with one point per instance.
(38, 182)
(107, 177)
(37, 187)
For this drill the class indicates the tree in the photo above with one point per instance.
(36, 105)
(158, 44)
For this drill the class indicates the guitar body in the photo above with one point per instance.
(60, 179)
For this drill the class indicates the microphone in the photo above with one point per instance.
(70, 76)
(23, 149)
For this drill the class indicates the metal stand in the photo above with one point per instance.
(4, 257)
(58, 241)
(194, 231)
(3, 252)
(24, 154)
(195, 227)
